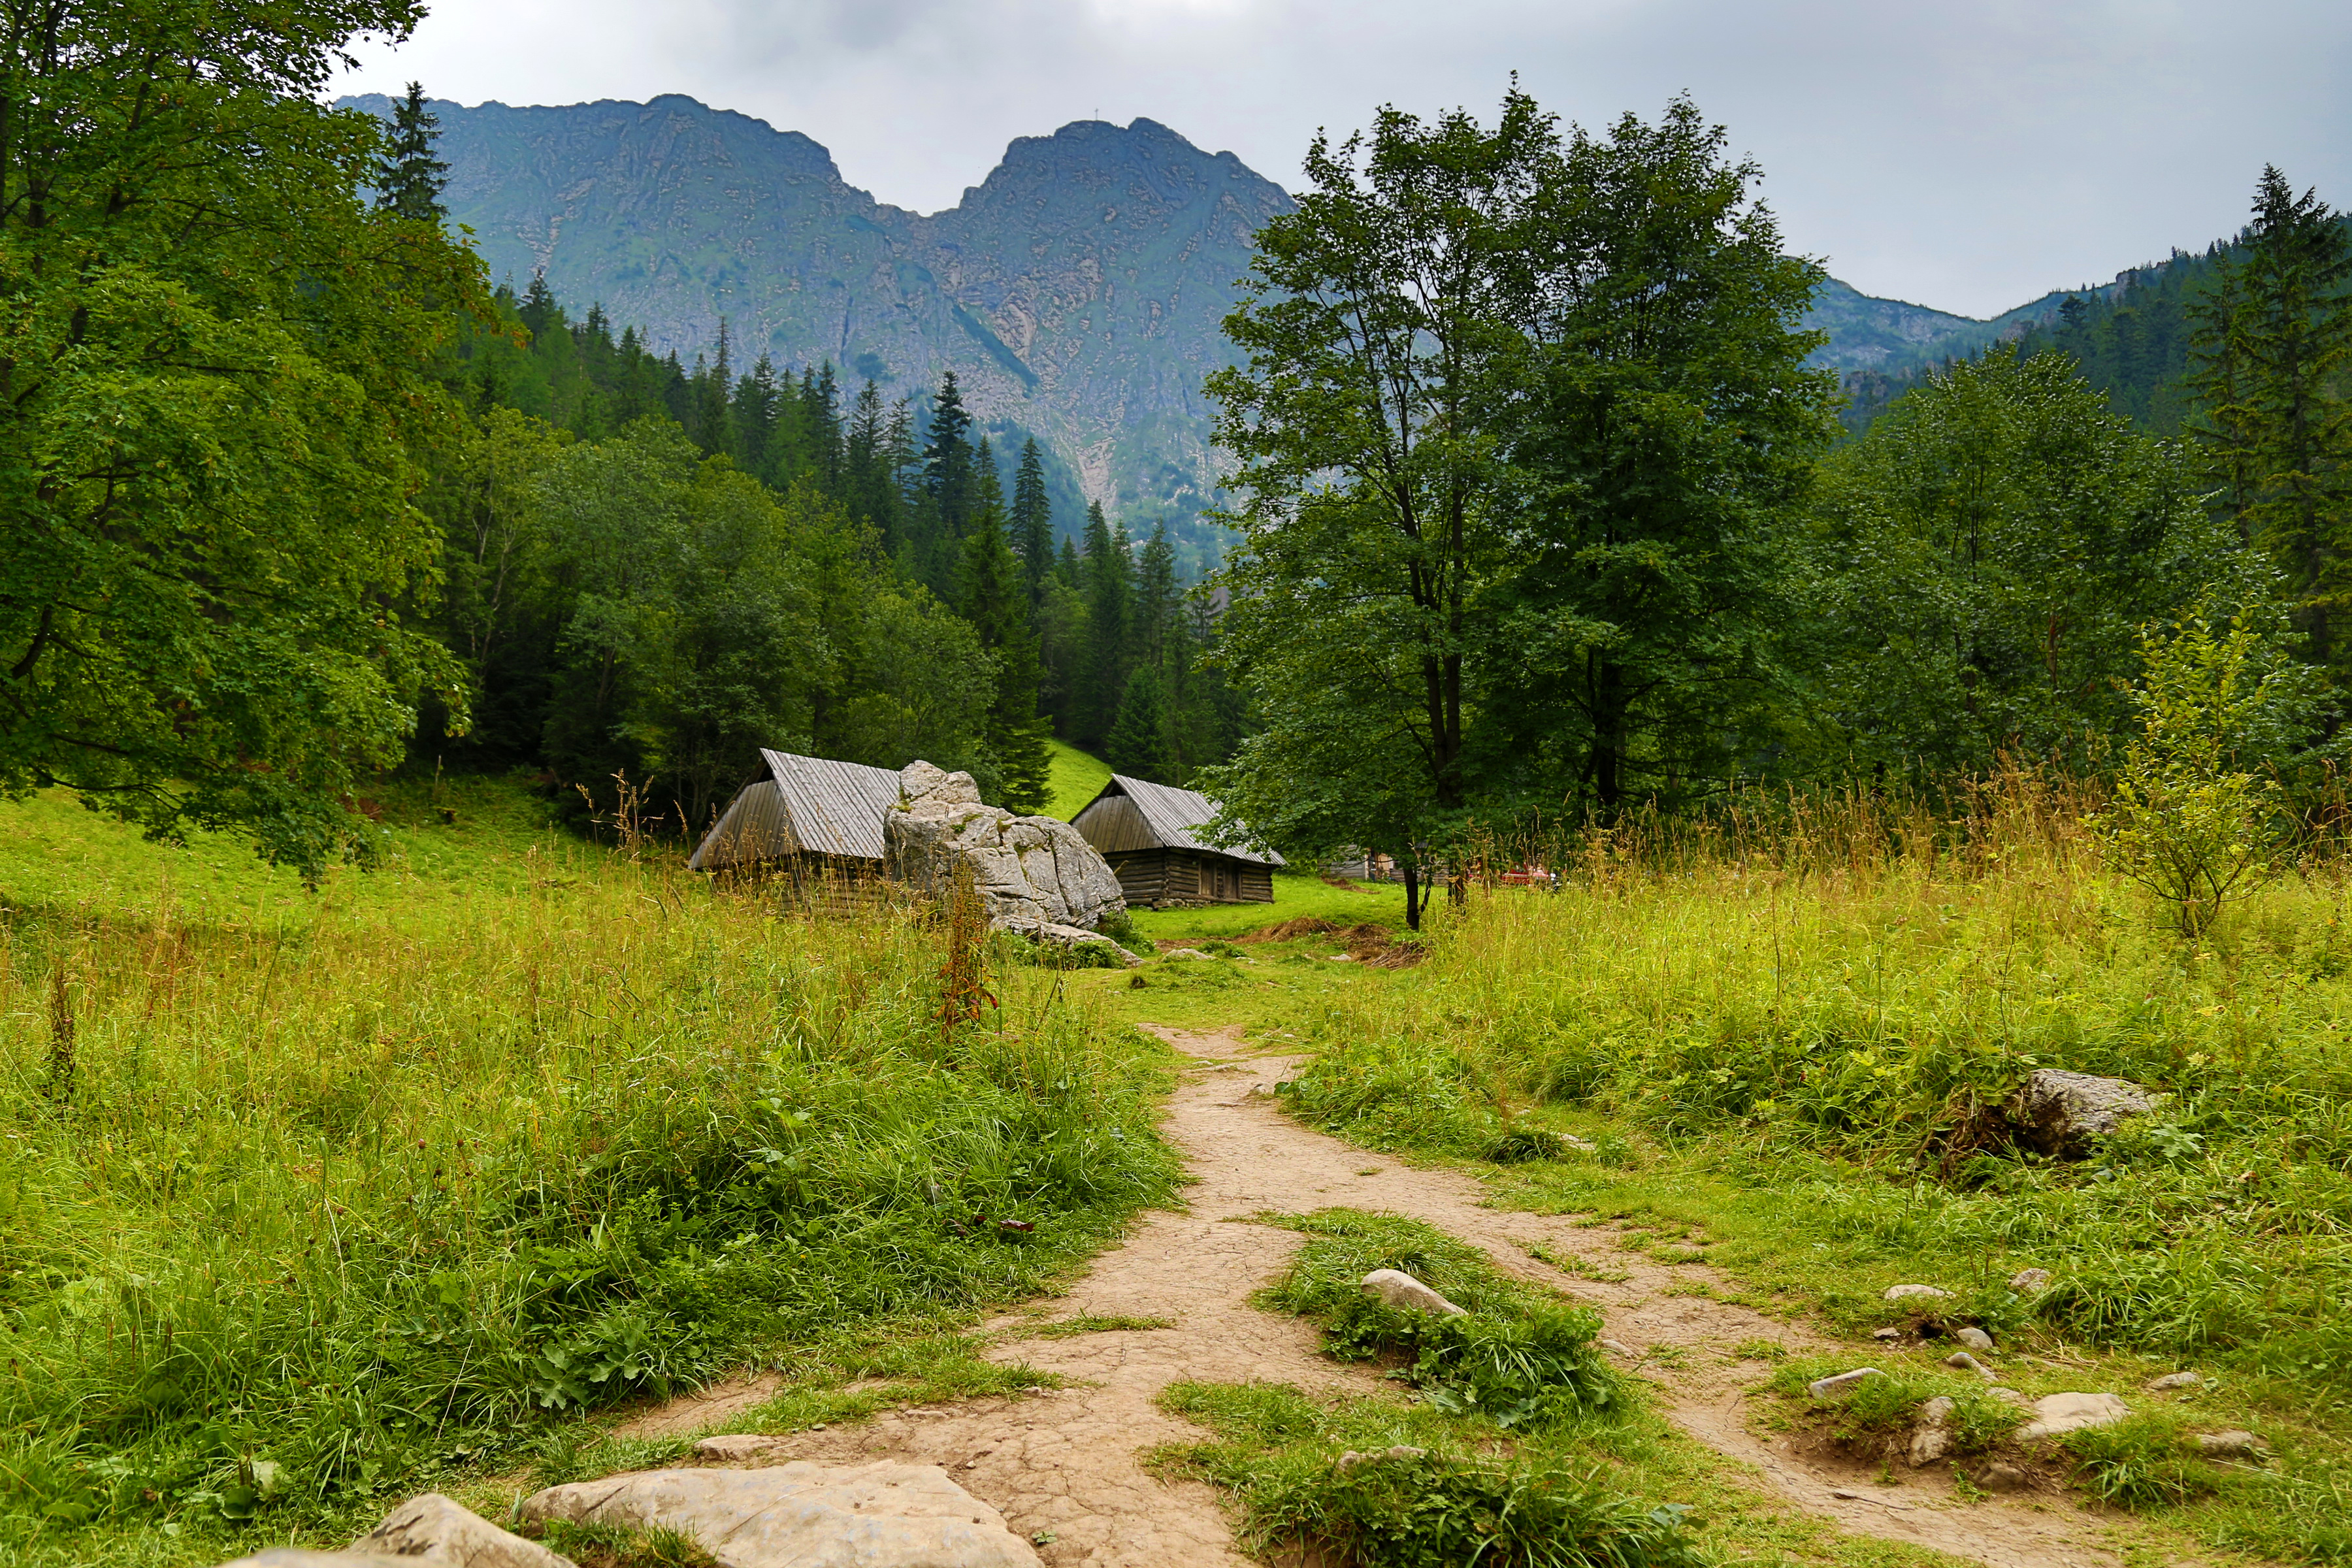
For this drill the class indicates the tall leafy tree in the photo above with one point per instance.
(2273, 351)
(220, 396)
(410, 177)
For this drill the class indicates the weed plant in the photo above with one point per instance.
(1519, 1356)
(324, 1209)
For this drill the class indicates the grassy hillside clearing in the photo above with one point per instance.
(310, 1202)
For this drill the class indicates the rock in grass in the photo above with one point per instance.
(2001, 1478)
(1915, 1293)
(428, 1530)
(881, 1515)
(1841, 1384)
(1886, 1334)
(1975, 1339)
(1174, 953)
(2172, 1380)
(1399, 1454)
(2030, 1282)
(2230, 1446)
(1931, 1439)
(2065, 1113)
(735, 1446)
(2009, 1397)
(2063, 1413)
(1407, 1294)
(1962, 1361)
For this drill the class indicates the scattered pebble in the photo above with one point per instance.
(2028, 1281)
(1964, 1362)
(2172, 1380)
(1832, 1387)
(1916, 1292)
(1975, 1339)
(2230, 1444)
(1886, 1334)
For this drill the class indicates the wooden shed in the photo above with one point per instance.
(810, 816)
(1149, 832)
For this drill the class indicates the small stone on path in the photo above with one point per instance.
(1998, 1476)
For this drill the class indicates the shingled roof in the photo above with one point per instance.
(805, 804)
(1163, 817)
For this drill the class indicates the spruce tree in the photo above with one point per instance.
(2275, 341)
(1033, 520)
(409, 179)
(1065, 563)
(1108, 583)
(1155, 598)
(1137, 743)
(992, 594)
(945, 513)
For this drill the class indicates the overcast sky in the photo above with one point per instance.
(1969, 155)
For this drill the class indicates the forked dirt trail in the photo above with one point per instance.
(1066, 1463)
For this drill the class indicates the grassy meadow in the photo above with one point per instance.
(1788, 1044)
(311, 1201)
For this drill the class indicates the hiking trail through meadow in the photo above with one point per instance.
(1065, 1467)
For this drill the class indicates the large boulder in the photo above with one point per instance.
(1031, 873)
(803, 1515)
(2065, 1113)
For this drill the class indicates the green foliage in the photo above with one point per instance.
(2142, 1461)
(409, 177)
(2189, 823)
(1405, 1497)
(217, 408)
(1518, 1357)
(375, 1193)
(1887, 1406)
(1946, 637)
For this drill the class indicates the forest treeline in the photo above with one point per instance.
(1541, 513)
(1545, 516)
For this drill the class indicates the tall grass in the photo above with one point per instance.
(1827, 1000)
(318, 1213)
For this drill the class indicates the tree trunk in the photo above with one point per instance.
(1412, 894)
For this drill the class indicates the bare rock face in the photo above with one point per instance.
(425, 1531)
(803, 1515)
(1033, 873)
(1405, 1293)
(1931, 1438)
(2063, 1113)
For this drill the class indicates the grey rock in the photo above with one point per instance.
(1915, 1293)
(2065, 1113)
(1886, 1334)
(1841, 1384)
(1033, 873)
(2061, 1413)
(1407, 1294)
(1352, 1460)
(2030, 1282)
(1064, 936)
(736, 1445)
(803, 1515)
(1962, 1361)
(2230, 1446)
(1186, 953)
(2172, 1380)
(1975, 1339)
(1931, 1439)
(1998, 1476)
(429, 1528)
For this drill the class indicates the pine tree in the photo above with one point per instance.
(1137, 743)
(1108, 583)
(2274, 341)
(1033, 520)
(409, 179)
(1155, 598)
(993, 594)
(1066, 564)
(759, 408)
(946, 488)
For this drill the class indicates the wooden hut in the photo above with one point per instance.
(1149, 832)
(817, 820)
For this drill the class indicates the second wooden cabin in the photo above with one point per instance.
(1149, 834)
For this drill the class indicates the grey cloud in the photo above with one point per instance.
(1968, 155)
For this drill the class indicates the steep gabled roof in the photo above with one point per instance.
(1164, 817)
(837, 808)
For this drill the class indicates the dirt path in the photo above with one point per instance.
(1066, 1463)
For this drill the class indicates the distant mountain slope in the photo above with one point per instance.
(1889, 336)
(1075, 292)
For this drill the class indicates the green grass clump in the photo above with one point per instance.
(595, 1545)
(1887, 1405)
(370, 1191)
(1519, 1356)
(1411, 1496)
